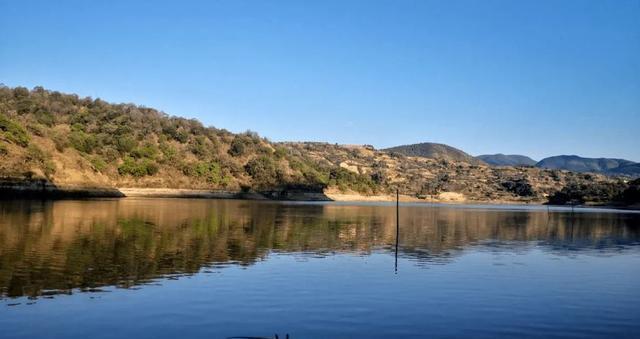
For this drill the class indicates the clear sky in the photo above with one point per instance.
(535, 77)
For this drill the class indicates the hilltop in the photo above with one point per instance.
(66, 142)
(435, 151)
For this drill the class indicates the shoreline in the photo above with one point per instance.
(43, 189)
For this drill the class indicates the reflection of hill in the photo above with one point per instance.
(84, 244)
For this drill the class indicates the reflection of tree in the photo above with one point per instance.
(69, 244)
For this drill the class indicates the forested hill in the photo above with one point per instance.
(72, 140)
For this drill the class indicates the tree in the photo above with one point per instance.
(264, 172)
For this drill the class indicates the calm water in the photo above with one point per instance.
(217, 268)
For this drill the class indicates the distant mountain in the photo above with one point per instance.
(597, 165)
(506, 160)
(435, 151)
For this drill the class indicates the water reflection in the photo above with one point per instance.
(54, 247)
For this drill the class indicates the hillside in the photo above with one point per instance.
(67, 142)
(434, 151)
(443, 180)
(507, 159)
(595, 165)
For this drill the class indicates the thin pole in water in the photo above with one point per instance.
(397, 226)
(548, 210)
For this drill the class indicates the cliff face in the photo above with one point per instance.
(63, 141)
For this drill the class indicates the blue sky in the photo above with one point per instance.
(537, 78)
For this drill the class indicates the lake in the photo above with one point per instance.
(166, 268)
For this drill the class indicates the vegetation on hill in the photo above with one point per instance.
(618, 193)
(442, 179)
(435, 151)
(72, 140)
(506, 160)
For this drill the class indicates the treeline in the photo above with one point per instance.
(617, 192)
(42, 131)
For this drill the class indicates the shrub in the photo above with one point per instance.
(40, 158)
(238, 146)
(13, 132)
(20, 92)
(37, 129)
(138, 168)
(98, 163)
(45, 118)
(35, 154)
(147, 150)
(48, 167)
(182, 136)
(131, 167)
(168, 151)
(126, 143)
(520, 187)
(60, 141)
(109, 153)
(188, 169)
(264, 171)
(280, 152)
(575, 193)
(378, 177)
(210, 171)
(199, 147)
(82, 141)
(170, 130)
(151, 167)
(345, 179)
(313, 175)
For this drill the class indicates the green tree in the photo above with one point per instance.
(264, 172)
